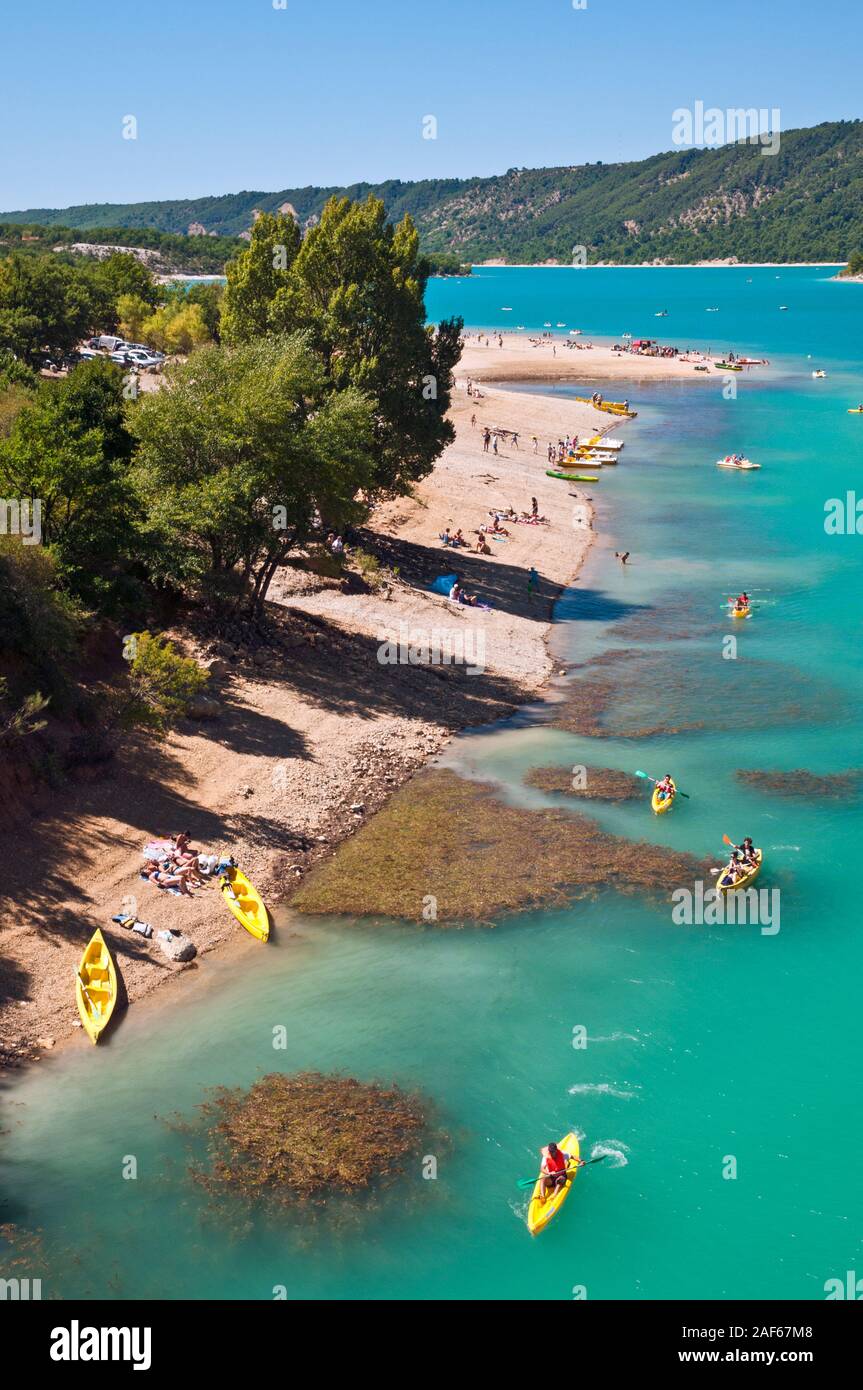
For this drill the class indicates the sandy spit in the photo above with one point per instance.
(313, 732)
(572, 360)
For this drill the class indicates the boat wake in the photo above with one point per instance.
(614, 1150)
(599, 1088)
(796, 848)
(616, 1037)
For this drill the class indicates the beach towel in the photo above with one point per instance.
(443, 584)
(157, 849)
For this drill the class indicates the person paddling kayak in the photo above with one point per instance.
(553, 1170)
(744, 859)
(665, 787)
(741, 603)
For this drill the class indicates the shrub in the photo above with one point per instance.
(39, 626)
(25, 719)
(369, 567)
(164, 685)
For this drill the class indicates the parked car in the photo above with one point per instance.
(111, 342)
(142, 347)
(143, 358)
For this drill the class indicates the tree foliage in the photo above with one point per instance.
(255, 277)
(70, 449)
(39, 627)
(163, 684)
(237, 454)
(43, 305)
(355, 287)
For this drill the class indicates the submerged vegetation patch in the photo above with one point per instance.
(306, 1138)
(612, 695)
(803, 783)
(448, 850)
(587, 783)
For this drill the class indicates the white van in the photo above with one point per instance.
(112, 344)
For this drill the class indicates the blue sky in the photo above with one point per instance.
(234, 94)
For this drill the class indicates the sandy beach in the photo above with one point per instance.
(312, 732)
(564, 358)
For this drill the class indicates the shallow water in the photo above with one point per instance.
(705, 1043)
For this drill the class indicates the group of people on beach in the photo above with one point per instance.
(563, 450)
(172, 865)
(490, 437)
(457, 540)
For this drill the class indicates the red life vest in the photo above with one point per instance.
(554, 1163)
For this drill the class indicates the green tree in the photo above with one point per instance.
(236, 455)
(256, 275)
(17, 384)
(70, 449)
(132, 313)
(39, 628)
(114, 278)
(163, 684)
(176, 327)
(209, 298)
(44, 305)
(356, 287)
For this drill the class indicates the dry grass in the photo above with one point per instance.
(449, 850)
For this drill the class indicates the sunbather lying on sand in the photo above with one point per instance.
(163, 877)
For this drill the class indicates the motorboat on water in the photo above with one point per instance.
(743, 465)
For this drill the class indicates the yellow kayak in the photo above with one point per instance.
(662, 804)
(740, 612)
(246, 903)
(745, 881)
(540, 1212)
(610, 407)
(96, 986)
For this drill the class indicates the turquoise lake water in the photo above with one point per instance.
(706, 1043)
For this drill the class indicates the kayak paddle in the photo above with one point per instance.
(85, 987)
(531, 1182)
(685, 795)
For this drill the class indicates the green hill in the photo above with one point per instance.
(803, 204)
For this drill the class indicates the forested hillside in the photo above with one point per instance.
(804, 203)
